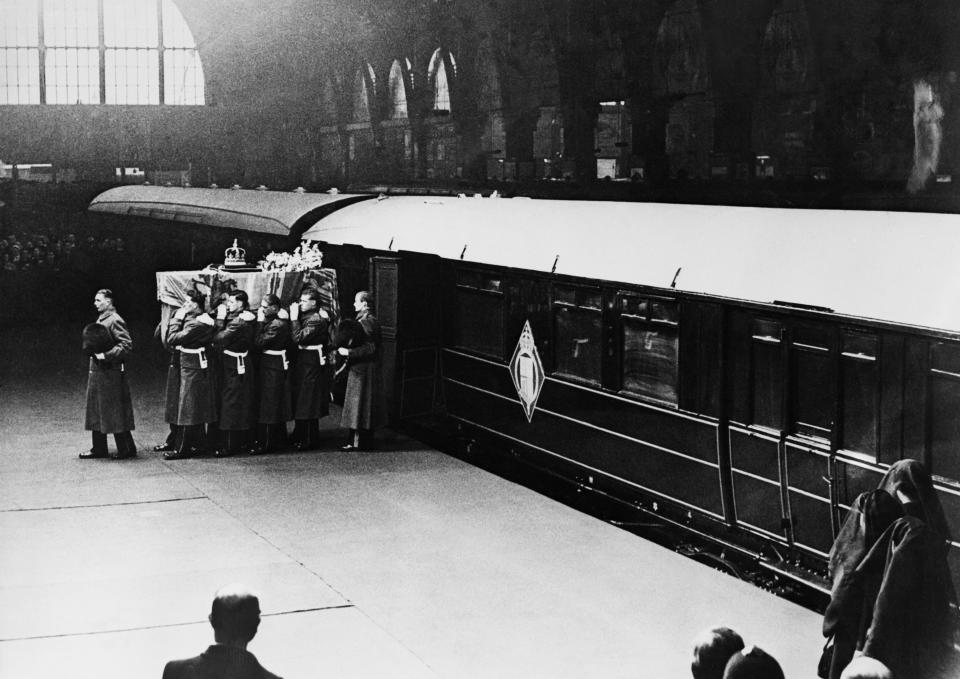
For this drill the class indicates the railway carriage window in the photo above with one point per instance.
(767, 373)
(479, 314)
(944, 409)
(578, 323)
(860, 396)
(812, 382)
(651, 342)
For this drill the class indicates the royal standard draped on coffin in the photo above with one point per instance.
(172, 287)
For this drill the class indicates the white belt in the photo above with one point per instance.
(201, 352)
(239, 355)
(319, 349)
(279, 352)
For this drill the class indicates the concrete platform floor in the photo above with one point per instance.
(402, 562)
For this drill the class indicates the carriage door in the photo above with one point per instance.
(407, 293)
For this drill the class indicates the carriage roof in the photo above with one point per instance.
(892, 266)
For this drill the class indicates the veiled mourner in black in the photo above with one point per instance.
(892, 588)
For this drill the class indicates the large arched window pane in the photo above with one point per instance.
(363, 89)
(130, 23)
(71, 23)
(132, 76)
(438, 77)
(72, 75)
(20, 25)
(184, 77)
(80, 41)
(398, 92)
(19, 76)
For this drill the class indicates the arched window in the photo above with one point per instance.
(364, 88)
(398, 92)
(437, 74)
(329, 110)
(97, 52)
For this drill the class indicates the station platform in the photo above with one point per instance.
(401, 562)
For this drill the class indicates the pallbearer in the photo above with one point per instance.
(191, 331)
(234, 338)
(273, 341)
(171, 391)
(311, 378)
(109, 407)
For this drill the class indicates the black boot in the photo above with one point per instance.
(99, 448)
(126, 448)
(187, 444)
(170, 443)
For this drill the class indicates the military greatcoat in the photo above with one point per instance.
(172, 389)
(274, 335)
(197, 397)
(235, 335)
(363, 403)
(109, 407)
(311, 374)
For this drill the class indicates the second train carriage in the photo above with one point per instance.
(742, 373)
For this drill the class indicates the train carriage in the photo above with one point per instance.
(741, 373)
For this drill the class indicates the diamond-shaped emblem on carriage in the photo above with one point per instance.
(526, 370)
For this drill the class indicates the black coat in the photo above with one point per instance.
(109, 407)
(218, 662)
(363, 403)
(274, 407)
(237, 374)
(311, 373)
(197, 396)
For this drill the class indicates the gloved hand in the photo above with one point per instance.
(294, 311)
(180, 313)
(261, 316)
(100, 357)
(343, 351)
(323, 313)
(247, 316)
(283, 315)
(221, 312)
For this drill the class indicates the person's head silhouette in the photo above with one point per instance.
(235, 615)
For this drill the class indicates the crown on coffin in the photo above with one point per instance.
(234, 255)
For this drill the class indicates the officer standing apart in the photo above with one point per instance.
(109, 407)
(234, 338)
(191, 331)
(363, 406)
(311, 378)
(273, 339)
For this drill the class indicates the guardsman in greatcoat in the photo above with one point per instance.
(171, 391)
(311, 376)
(109, 407)
(234, 338)
(363, 403)
(191, 331)
(273, 340)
